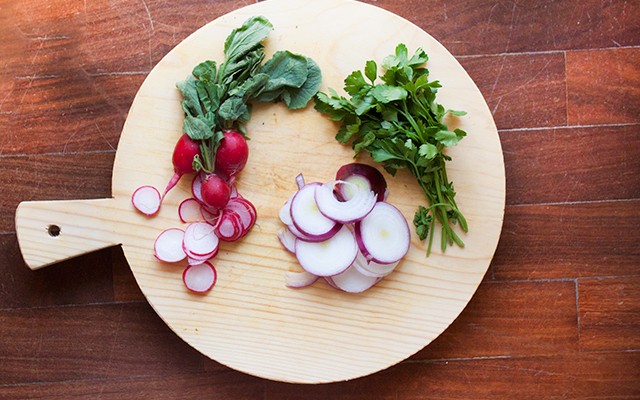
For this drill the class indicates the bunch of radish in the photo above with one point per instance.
(343, 231)
(216, 212)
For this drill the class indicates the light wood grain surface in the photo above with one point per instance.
(251, 321)
(555, 316)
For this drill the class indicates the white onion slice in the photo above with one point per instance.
(147, 200)
(307, 217)
(372, 268)
(383, 235)
(287, 239)
(355, 208)
(168, 245)
(300, 279)
(329, 257)
(352, 281)
(199, 278)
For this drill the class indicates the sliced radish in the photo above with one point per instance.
(229, 228)
(329, 257)
(307, 217)
(245, 210)
(196, 187)
(287, 239)
(352, 281)
(383, 235)
(147, 200)
(362, 177)
(199, 278)
(210, 216)
(299, 280)
(200, 239)
(189, 211)
(168, 245)
(371, 268)
(355, 208)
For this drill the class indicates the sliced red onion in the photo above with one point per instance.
(329, 257)
(199, 278)
(285, 212)
(287, 239)
(168, 245)
(300, 181)
(383, 235)
(307, 217)
(352, 281)
(371, 268)
(147, 200)
(355, 208)
(362, 177)
(299, 280)
(189, 211)
(200, 239)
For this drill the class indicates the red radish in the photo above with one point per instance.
(297, 280)
(352, 281)
(353, 209)
(200, 240)
(168, 245)
(307, 217)
(329, 257)
(189, 211)
(215, 191)
(183, 154)
(199, 278)
(232, 154)
(146, 199)
(361, 176)
(383, 235)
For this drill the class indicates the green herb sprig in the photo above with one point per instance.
(400, 124)
(217, 97)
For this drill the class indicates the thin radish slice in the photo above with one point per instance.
(168, 245)
(329, 257)
(199, 278)
(297, 280)
(355, 208)
(383, 235)
(210, 216)
(245, 210)
(352, 281)
(195, 261)
(229, 228)
(199, 257)
(371, 268)
(196, 187)
(147, 200)
(287, 239)
(200, 239)
(307, 217)
(189, 211)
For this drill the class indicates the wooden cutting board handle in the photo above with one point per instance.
(53, 231)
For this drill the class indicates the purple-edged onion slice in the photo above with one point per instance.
(362, 177)
(383, 235)
(352, 281)
(329, 257)
(300, 279)
(306, 216)
(355, 208)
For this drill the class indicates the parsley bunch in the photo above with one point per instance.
(217, 97)
(399, 123)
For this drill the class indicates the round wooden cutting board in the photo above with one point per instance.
(250, 321)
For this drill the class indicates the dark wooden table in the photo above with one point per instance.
(557, 315)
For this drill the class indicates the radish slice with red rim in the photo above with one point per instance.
(199, 278)
(297, 280)
(196, 187)
(355, 208)
(245, 210)
(329, 257)
(307, 217)
(229, 228)
(147, 200)
(352, 281)
(287, 239)
(168, 245)
(383, 235)
(189, 211)
(200, 239)
(210, 216)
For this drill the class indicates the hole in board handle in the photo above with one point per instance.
(53, 230)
